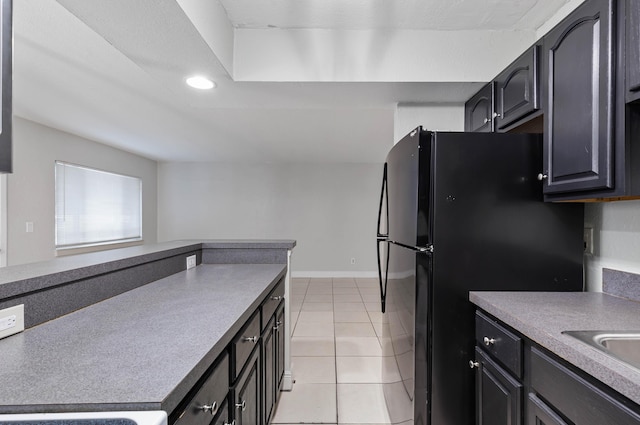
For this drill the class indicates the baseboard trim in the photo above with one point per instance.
(315, 274)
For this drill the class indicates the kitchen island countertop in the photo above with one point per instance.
(542, 316)
(141, 350)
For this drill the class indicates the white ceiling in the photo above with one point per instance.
(391, 14)
(113, 71)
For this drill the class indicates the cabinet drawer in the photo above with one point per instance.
(210, 398)
(244, 343)
(577, 399)
(271, 303)
(502, 344)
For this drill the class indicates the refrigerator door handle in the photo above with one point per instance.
(383, 192)
(382, 278)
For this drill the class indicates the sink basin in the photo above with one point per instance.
(87, 418)
(622, 345)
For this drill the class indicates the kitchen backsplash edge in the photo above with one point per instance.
(621, 284)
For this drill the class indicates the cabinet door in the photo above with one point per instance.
(223, 417)
(538, 413)
(268, 368)
(517, 89)
(578, 137)
(280, 337)
(478, 111)
(498, 395)
(633, 49)
(247, 393)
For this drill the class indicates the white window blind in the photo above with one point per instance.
(96, 207)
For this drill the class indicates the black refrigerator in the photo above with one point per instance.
(461, 212)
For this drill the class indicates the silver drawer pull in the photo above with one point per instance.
(242, 406)
(473, 364)
(233, 422)
(488, 341)
(277, 297)
(211, 408)
(277, 326)
(253, 339)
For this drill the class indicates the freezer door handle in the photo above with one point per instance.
(383, 191)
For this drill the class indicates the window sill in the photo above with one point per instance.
(63, 252)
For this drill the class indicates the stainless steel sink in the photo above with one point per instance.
(622, 345)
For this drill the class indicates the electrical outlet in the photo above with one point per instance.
(588, 240)
(353, 261)
(11, 320)
(191, 262)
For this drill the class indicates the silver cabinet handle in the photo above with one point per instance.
(542, 176)
(473, 364)
(253, 339)
(489, 341)
(211, 408)
(277, 297)
(242, 406)
(487, 120)
(277, 326)
(233, 422)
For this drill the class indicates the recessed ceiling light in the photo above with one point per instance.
(199, 82)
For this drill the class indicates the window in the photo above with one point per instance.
(96, 207)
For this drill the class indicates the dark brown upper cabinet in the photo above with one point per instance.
(508, 101)
(579, 107)
(633, 50)
(6, 71)
(518, 89)
(479, 111)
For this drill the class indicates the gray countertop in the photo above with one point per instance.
(141, 350)
(542, 316)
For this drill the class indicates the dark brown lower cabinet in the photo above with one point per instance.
(498, 394)
(243, 385)
(541, 414)
(210, 398)
(574, 396)
(269, 369)
(246, 393)
(273, 361)
(557, 392)
(280, 337)
(223, 416)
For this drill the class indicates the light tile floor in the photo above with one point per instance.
(336, 354)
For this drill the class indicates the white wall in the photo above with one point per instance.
(616, 234)
(330, 209)
(436, 117)
(31, 186)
